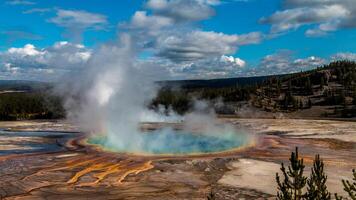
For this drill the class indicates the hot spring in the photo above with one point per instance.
(177, 142)
(113, 96)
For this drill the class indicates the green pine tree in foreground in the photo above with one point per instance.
(349, 187)
(291, 187)
(316, 184)
(293, 183)
(211, 195)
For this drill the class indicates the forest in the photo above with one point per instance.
(331, 87)
(21, 100)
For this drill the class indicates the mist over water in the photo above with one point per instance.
(109, 99)
(169, 141)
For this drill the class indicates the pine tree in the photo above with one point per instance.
(294, 181)
(322, 82)
(301, 106)
(310, 104)
(308, 86)
(354, 96)
(349, 187)
(211, 195)
(317, 189)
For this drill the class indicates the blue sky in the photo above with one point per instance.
(261, 36)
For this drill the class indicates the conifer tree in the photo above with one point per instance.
(317, 189)
(211, 195)
(308, 86)
(349, 187)
(322, 82)
(293, 182)
(310, 104)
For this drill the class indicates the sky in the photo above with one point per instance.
(176, 39)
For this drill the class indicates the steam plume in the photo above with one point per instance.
(110, 95)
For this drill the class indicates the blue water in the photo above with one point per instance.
(178, 142)
(32, 141)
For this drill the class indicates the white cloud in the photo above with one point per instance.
(324, 15)
(250, 38)
(27, 50)
(213, 67)
(37, 10)
(11, 69)
(283, 62)
(181, 10)
(79, 19)
(235, 61)
(20, 2)
(66, 55)
(178, 49)
(141, 20)
(170, 32)
(166, 29)
(198, 44)
(344, 56)
(31, 61)
(309, 62)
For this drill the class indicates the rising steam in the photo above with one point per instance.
(110, 96)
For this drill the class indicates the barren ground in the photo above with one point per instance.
(56, 164)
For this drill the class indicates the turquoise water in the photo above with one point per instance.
(178, 142)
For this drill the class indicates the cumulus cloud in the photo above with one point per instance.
(83, 19)
(182, 11)
(250, 38)
(344, 56)
(283, 62)
(77, 21)
(178, 48)
(214, 67)
(27, 50)
(323, 16)
(223, 67)
(234, 61)
(166, 29)
(171, 13)
(196, 45)
(140, 20)
(29, 60)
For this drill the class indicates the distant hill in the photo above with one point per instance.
(28, 100)
(327, 91)
(330, 88)
(22, 85)
(215, 83)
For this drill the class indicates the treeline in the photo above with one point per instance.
(30, 105)
(25, 86)
(182, 100)
(329, 85)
